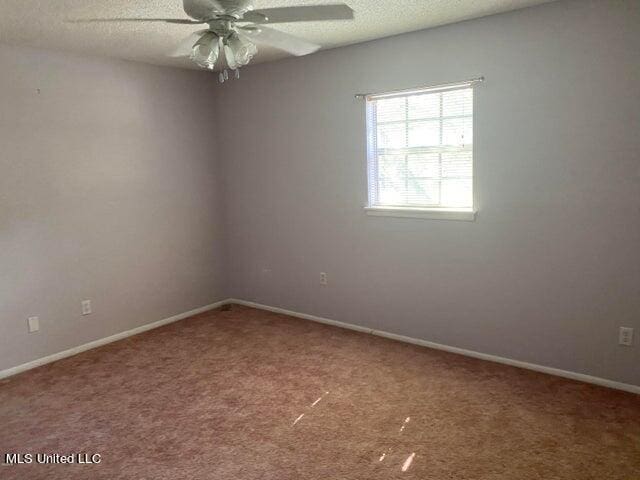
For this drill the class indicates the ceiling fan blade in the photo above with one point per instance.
(185, 47)
(165, 20)
(280, 40)
(309, 13)
(202, 9)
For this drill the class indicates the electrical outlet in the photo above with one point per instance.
(625, 336)
(86, 307)
(323, 278)
(34, 324)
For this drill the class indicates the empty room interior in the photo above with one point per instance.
(320, 239)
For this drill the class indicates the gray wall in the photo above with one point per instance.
(551, 267)
(109, 190)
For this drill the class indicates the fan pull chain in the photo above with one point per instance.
(224, 75)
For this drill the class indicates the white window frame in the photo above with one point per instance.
(436, 213)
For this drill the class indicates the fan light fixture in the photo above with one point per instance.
(234, 29)
(238, 52)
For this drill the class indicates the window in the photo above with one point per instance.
(420, 152)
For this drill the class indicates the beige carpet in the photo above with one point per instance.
(246, 394)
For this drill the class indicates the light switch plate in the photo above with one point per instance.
(34, 324)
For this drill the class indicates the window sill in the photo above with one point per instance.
(467, 215)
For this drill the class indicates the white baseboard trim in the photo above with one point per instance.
(103, 341)
(460, 351)
(401, 338)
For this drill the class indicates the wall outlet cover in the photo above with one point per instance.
(625, 336)
(86, 307)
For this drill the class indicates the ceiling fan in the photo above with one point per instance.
(235, 29)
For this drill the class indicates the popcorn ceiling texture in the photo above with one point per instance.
(245, 394)
(44, 24)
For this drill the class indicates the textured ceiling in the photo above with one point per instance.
(44, 23)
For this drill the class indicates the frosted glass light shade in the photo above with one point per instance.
(205, 52)
(243, 50)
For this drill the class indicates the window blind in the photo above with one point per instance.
(420, 148)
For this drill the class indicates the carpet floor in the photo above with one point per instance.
(245, 394)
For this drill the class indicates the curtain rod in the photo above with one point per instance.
(362, 96)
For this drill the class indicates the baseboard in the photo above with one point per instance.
(415, 341)
(460, 351)
(103, 341)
